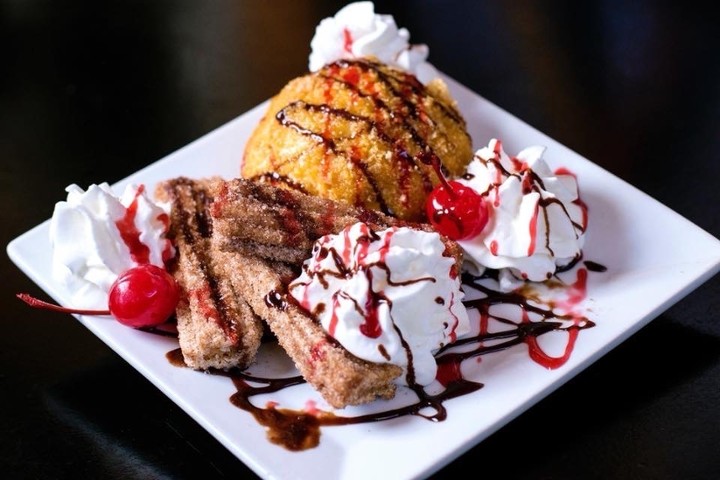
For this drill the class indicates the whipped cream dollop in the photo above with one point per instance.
(96, 236)
(357, 31)
(537, 220)
(388, 296)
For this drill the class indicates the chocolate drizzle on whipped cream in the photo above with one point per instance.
(375, 292)
(538, 220)
(531, 182)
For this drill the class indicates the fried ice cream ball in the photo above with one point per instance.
(360, 132)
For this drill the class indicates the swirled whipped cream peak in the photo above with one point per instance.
(357, 31)
(97, 235)
(537, 220)
(390, 296)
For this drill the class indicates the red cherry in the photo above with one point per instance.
(456, 210)
(144, 296)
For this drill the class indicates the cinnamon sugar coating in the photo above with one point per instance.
(216, 326)
(278, 224)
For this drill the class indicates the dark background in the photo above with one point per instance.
(91, 91)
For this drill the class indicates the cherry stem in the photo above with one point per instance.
(450, 190)
(37, 303)
(434, 162)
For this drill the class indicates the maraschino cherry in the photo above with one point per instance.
(144, 296)
(455, 210)
(141, 297)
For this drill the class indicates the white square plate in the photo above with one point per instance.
(646, 274)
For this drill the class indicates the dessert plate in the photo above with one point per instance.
(646, 273)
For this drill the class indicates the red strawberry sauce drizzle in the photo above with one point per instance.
(533, 231)
(347, 41)
(130, 234)
(298, 430)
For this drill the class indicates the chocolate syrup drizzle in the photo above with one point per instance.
(300, 429)
(402, 115)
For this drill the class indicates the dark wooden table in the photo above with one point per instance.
(92, 91)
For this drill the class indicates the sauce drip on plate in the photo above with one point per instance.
(299, 430)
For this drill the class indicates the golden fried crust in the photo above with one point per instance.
(360, 132)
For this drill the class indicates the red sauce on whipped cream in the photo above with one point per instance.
(130, 234)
